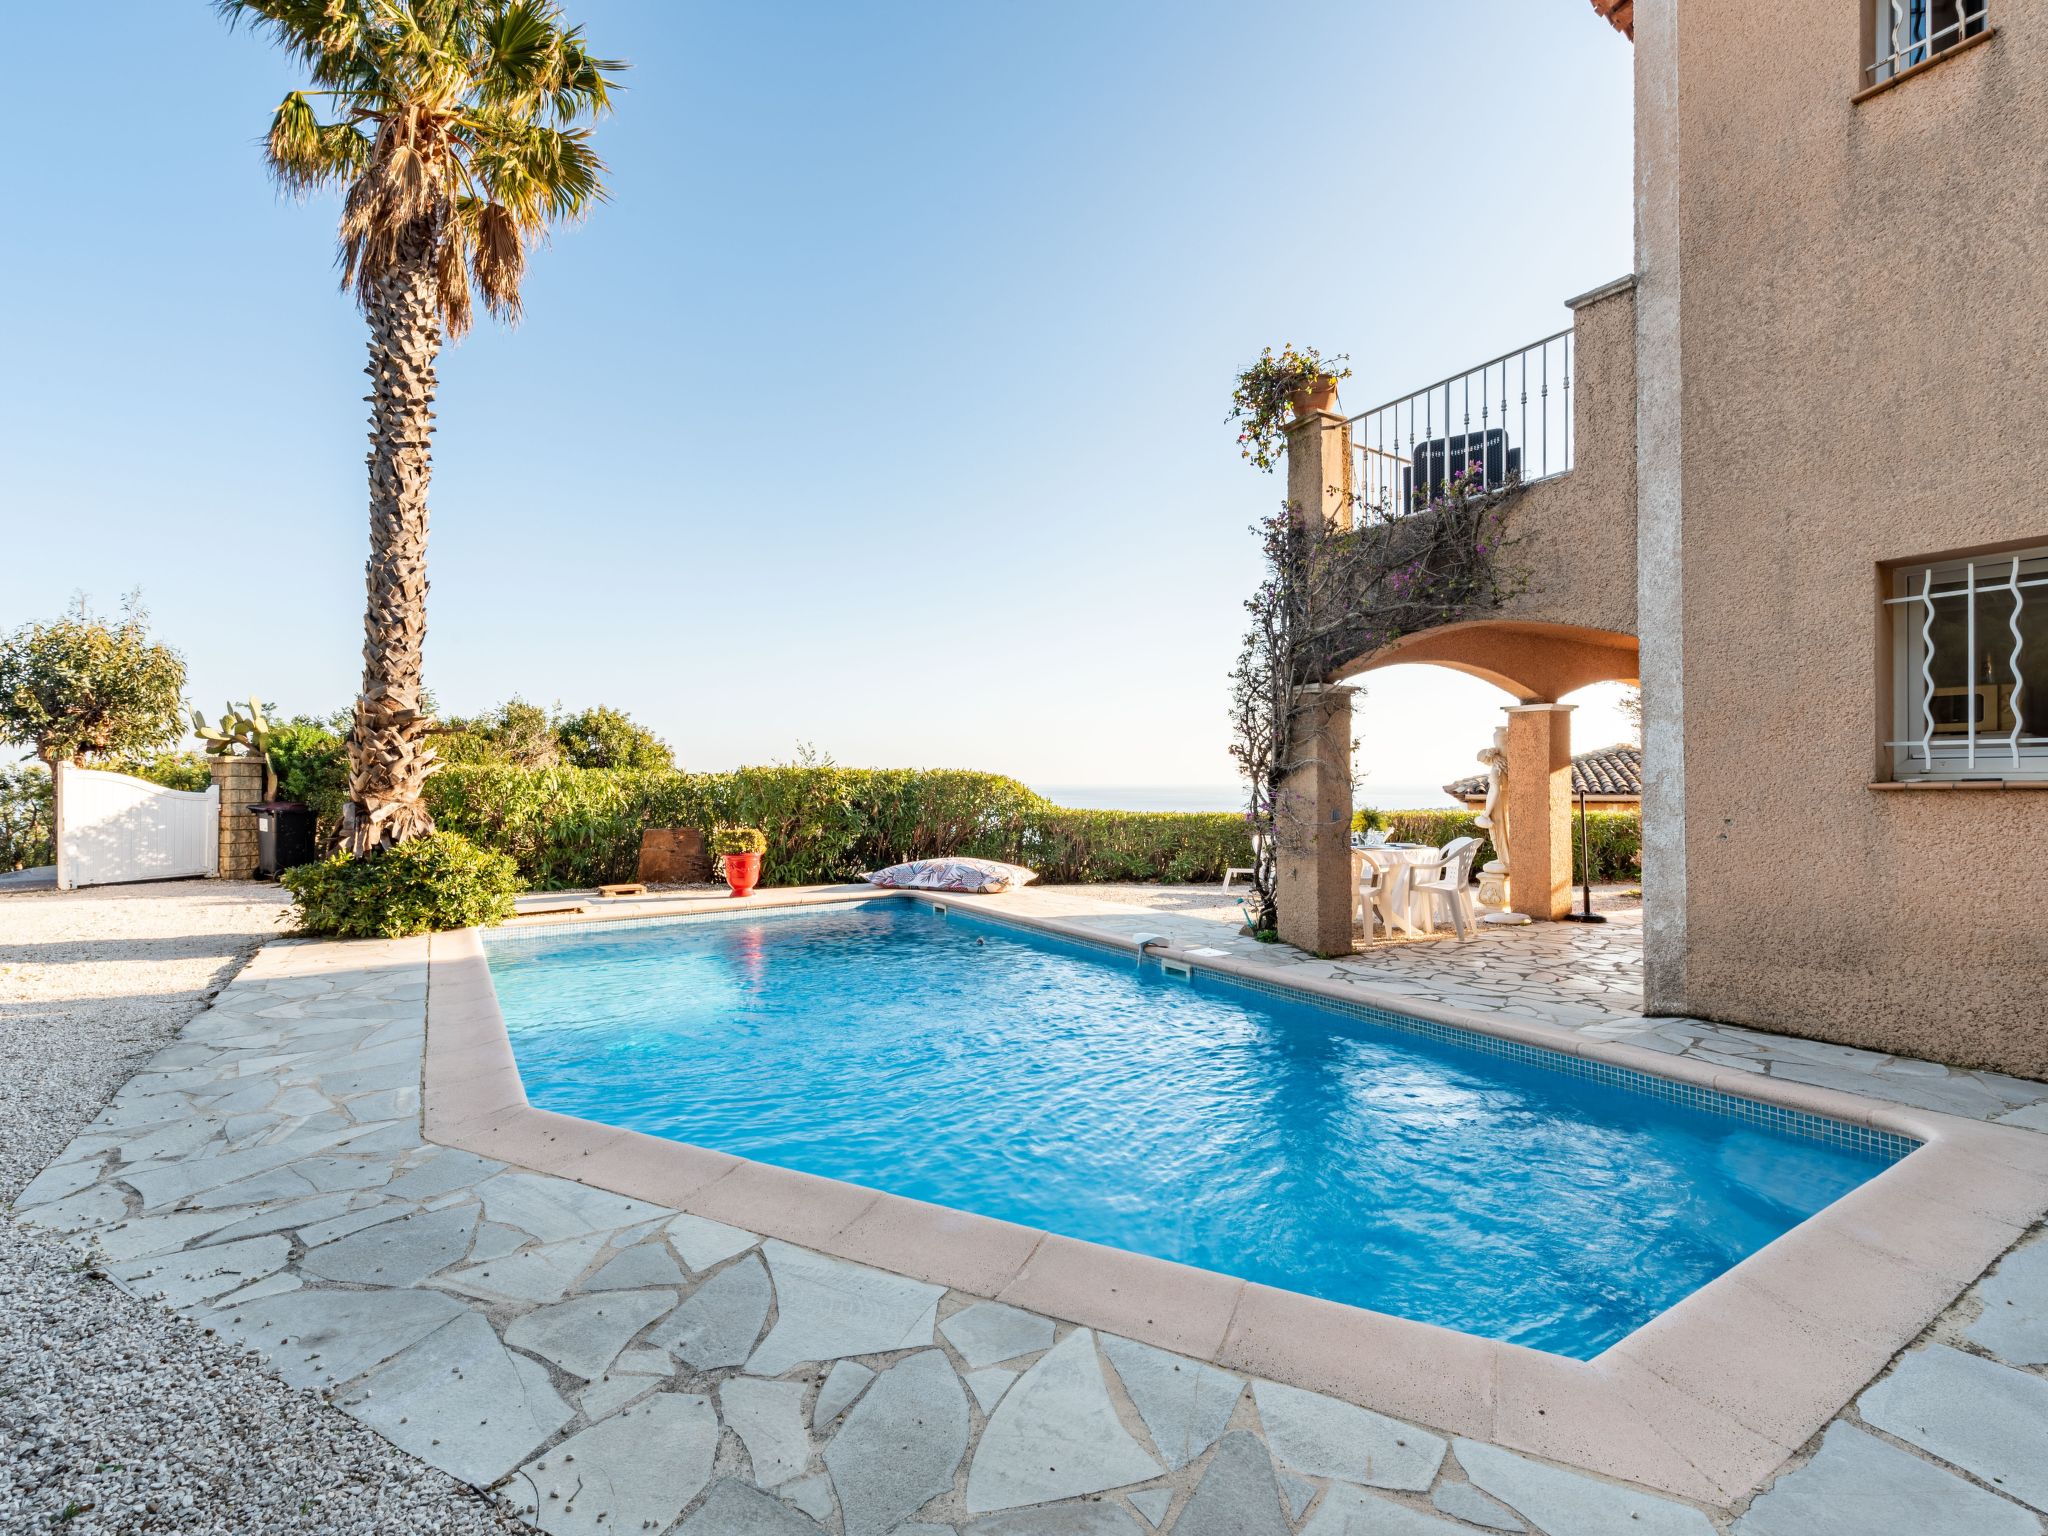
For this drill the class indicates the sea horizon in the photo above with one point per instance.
(1224, 797)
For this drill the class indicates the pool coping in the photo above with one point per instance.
(1704, 1401)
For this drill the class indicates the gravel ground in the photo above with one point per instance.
(111, 1409)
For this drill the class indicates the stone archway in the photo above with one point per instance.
(1536, 663)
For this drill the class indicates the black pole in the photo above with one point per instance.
(1585, 871)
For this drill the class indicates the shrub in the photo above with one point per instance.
(430, 883)
(311, 764)
(27, 838)
(581, 827)
(515, 732)
(525, 735)
(1615, 837)
(730, 842)
(601, 737)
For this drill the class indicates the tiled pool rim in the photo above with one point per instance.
(1703, 1401)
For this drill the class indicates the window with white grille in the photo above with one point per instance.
(1910, 32)
(1970, 668)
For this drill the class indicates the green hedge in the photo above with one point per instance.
(575, 827)
(1178, 847)
(1615, 837)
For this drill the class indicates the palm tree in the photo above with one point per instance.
(453, 133)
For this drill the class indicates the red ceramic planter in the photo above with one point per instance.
(742, 872)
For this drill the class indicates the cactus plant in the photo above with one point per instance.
(239, 735)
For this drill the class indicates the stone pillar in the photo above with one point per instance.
(1313, 824)
(1312, 865)
(1319, 468)
(1540, 808)
(240, 780)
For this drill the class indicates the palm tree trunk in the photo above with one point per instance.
(388, 758)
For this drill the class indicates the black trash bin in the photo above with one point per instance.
(284, 836)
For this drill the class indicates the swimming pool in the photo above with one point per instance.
(1343, 1152)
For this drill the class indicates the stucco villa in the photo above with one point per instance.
(1610, 779)
(1800, 432)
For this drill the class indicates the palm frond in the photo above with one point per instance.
(583, 82)
(306, 153)
(453, 134)
(531, 65)
(517, 54)
(450, 281)
(405, 185)
(496, 252)
(309, 30)
(541, 175)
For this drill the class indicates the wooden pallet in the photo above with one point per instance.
(629, 888)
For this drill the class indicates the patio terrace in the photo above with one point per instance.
(603, 1361)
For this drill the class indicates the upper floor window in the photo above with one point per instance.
(1970, 668)
(1910, 32)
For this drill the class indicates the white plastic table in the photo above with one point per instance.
(1397, 864)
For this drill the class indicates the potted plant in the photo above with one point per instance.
(741, 849)
(1293, 382)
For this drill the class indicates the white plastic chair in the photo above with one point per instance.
(1444, 884)
(1230, 874)
(1371, 891)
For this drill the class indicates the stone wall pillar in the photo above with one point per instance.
(1313, 824)
(1540, 808)
(1319, 468)
(240, 780)
(1312, 865)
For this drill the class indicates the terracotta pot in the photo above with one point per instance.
(1319, 396)
(742, 872)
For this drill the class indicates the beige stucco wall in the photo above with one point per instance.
(1574, 536)
(1862, 314)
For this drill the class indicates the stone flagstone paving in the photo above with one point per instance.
(607, 1365)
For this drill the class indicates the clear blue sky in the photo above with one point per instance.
(882, 408)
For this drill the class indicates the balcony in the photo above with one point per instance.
(1510, 418)
(1556, 422)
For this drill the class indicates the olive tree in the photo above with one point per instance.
(83, 686)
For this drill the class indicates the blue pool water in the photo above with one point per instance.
(978, 1065)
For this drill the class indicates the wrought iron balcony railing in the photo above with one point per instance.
(1508, 418)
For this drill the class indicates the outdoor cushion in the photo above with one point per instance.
(968, 876)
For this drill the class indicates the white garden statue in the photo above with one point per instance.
(1493, 878)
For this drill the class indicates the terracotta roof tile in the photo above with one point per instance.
(1621, 12)
(1612, 771)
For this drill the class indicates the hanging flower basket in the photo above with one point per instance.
(1292, 382)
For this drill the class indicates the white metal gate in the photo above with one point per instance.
(111, 827)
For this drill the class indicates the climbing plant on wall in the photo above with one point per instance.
(1329, 595)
